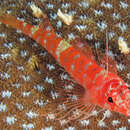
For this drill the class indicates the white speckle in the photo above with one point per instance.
(50, 67)
(48, 128)
(76, 112)
(122, 26)
(29, 126)
(10, 120)
(63, 122)
(49, 80)
(62, 106)
(43, 53)
(39, 87)
(122, 128)
(45, 41)
(71, 36)
(64, 76)
(65, 5)
(94, 113)
(70, 128)
(29, 3)
(8, 64)
(107, 114)
(25, 78)
(58, 34)
(50, 6)
(107, 5)
(8, 45)
(115, 16)
(120, 66)
(54, 95)
(128, 120)
(9, 11)
(23, 53)
(84, 122)
(50, 117)
(18, 31)
(111, 35)
(115, 122)
(17, 85)
(102, 25)
(21, 19)
(110, 53)
(13, 5)
(128, 76)
(6, 94)
(34, 44)
(72, 12)
(19, 106)
(5, 56)
(83, 17)
(3, 107)
(123, 5)
(26, 94)
(31, 114)
(22, 39)
(69, 87)
(101, 123)
(20, 68)
(5, 75)
(97, 45)
(98, 12)
(59, 24)
(84, 4)
(23, 11)
(53, 15)
(81, 27)
(89, 36)
(3, 35)
(41, 103)
(74, 97)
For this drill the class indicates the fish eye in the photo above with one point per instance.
(110, 100)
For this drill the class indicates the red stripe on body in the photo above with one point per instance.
(48, 39)
(79, 67)
(66, 58)
(25, 28)
(93, 70)
(37, 34)
(52, 42)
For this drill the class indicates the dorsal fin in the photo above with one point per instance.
(101, 60)
(84, 48)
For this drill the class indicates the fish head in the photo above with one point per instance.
(117, 97)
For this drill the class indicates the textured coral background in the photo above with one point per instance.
(30, 77)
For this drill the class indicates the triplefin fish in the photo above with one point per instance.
(101, 88)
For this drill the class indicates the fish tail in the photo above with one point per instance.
(42, 33)
(15, 23)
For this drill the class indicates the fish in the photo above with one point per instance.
(100, 87)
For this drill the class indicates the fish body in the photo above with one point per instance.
(102, 88)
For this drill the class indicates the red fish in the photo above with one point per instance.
(102, 88)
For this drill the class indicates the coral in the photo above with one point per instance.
(30, 78)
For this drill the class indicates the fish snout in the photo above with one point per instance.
(123, 104)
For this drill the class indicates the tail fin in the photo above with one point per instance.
(15, 23)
